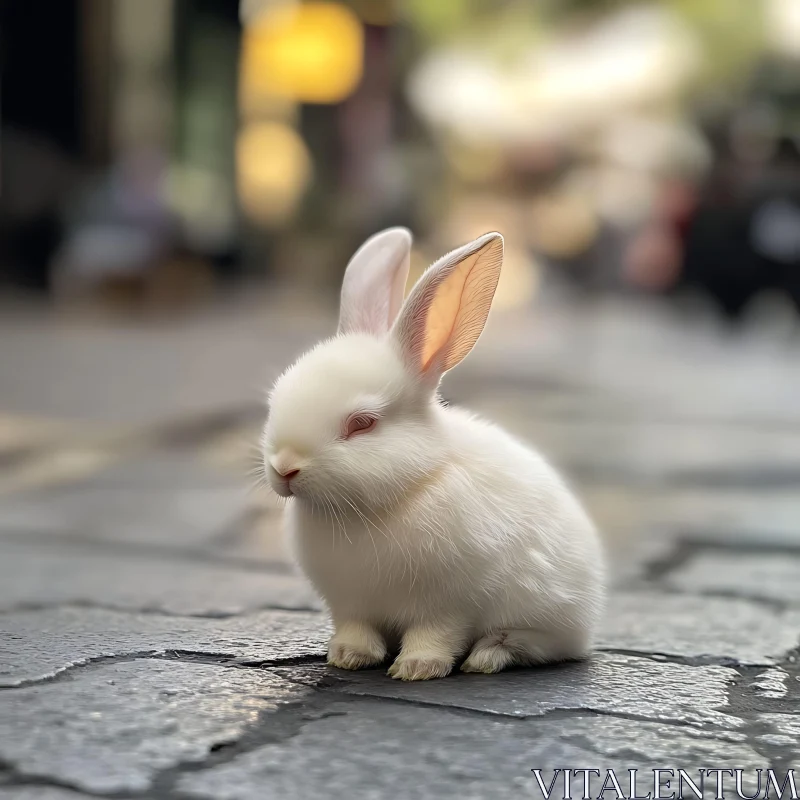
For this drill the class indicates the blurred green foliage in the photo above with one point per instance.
(731, 34)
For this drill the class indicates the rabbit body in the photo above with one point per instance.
(425, 529)
(494, 541)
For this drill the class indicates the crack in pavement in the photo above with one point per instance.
(747, 700)
(724, 594)
(553, 713)
(336, 683)
(671, 658)
(228, 660)
(778, 757)
(682, 552)
(689, 544)
(643, 587)
(231, 660)
(10, 776)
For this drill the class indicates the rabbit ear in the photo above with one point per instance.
(374, 282)
(446, 311)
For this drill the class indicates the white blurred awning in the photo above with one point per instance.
(783, 26)
(638, 55)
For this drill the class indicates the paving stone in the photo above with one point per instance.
(260, 539)
(774, 577)
(663, 367)
(169, 500)
(748, 518)
(785, 733)
(772, 683)
(630, 558)
(134, 719)
(35, 645)
(627, 515)
(638, 408)
(372, 749)
(614, 443)
(694, 627)
(261, 543)
(608, 683)
(137, 375)
(40, 576)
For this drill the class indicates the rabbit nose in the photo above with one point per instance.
(286, 464)
(284, 468)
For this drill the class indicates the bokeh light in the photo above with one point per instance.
(309, 53)
(273, 169)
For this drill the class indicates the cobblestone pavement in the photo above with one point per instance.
(155, 641)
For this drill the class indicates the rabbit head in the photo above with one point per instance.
(354, 421)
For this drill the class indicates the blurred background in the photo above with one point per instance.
(183, 182)
(155, 152)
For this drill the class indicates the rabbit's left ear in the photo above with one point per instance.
(374, 282)
(447, 310)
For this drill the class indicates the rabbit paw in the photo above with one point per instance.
(487, 659)
(420, 668)
(519, 647)
(356, 647)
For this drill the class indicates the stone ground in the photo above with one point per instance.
(155, 641)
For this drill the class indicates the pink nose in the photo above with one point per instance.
(292, 473)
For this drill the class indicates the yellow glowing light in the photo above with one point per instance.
(273, 169)
(311, 53)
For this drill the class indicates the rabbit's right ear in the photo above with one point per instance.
(447, 309)
(374, 282)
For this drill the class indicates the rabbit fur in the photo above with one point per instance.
(428, 532)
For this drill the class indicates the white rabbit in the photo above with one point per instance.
(422, 527)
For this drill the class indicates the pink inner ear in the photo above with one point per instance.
(448, 309)
(443, 315)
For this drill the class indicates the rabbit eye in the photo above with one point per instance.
(359, 423)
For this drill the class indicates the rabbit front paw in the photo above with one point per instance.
(356, 646)
(420, 668)
(428, 651)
